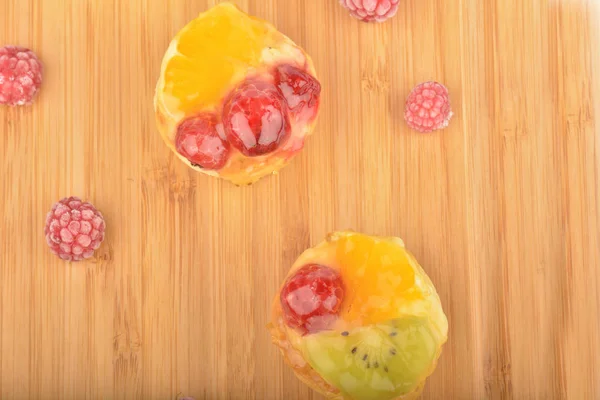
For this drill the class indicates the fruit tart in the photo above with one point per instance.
(236, 98)
(357, 318)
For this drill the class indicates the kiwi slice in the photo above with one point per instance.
(376, 362)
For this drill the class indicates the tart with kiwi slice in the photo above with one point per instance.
(357, 318)
(236, 98)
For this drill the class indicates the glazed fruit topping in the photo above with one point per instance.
(383, 361)
(255, 118)
(311, 299)
(379, 276)
(198, 140)
(301, 91)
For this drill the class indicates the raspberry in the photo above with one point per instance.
(371, 10)
(312, 297)
(255, 118)
(198, 140)
(428, 107)
(301, 91)
(74, 229)
(20, 75)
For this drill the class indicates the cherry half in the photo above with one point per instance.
(197, 140)
(255, 118)
(311, 298)
(301, 91)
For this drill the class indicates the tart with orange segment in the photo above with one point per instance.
(357, 318)
(236, 98)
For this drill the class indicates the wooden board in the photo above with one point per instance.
(502, 208)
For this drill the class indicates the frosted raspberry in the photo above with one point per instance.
(74, 229)
(371, 10)
(428, 107)
(20, 75)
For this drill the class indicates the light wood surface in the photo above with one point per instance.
(502, 208)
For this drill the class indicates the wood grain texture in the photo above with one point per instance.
(502, 208)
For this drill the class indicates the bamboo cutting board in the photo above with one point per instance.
(502, 209)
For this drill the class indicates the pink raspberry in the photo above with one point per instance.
(74, 229)
(371, 10)
(20, 75)
(428, 107)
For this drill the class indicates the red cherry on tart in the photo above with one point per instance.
(301, 91)
(198, 140)
(312, 297)
(255, 118)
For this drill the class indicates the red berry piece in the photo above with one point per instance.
(301, 91)
(255, 118)
(74, 229)
(197, 140)
(371, 10)
(312, 297)
(428, 107)
(20, 75)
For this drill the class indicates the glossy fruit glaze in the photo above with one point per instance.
(236, 98)
(311, 299)
(381, 284)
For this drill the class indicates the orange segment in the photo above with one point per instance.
(210, 51)
(224, 31)
(378, 277)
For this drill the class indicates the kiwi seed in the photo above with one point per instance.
(393, 352)
(345, 333)
(376, 365)
(365, 357)
(353, 350)
(385, 369)
(393, 333)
